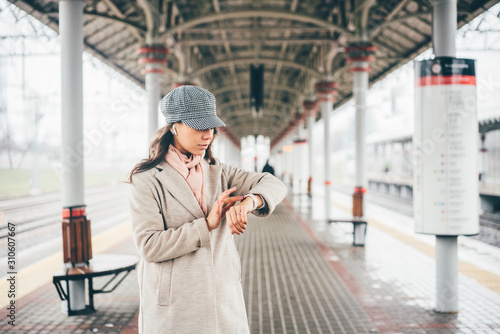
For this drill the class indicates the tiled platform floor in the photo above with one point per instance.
(393, 276)
(301, 276)
(289, 287)
(41, 311)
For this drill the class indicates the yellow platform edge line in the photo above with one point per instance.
(483, 277)
(40, 273)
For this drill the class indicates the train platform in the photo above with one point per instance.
(301, 275)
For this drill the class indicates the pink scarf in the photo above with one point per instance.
(191, 171)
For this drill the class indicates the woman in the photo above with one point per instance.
(185, 205)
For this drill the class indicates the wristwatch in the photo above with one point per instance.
(254, 199)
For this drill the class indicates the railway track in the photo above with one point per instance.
(31, 214)
(405, 206)
(490, 220)
(39, 217)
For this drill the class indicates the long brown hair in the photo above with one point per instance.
(158, 148)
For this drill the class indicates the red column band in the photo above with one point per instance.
(146, 49)
(326, 87)
(360, 52)
(152, 70)
(310, 107)
(327, 98)
(73, 212)
(360, 48)
(143, 61)
(179, 84)
(359, 190)
(152, 54)
(325, 91)
(360, 69)
(361, 58)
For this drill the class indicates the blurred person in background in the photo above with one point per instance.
(268, 168)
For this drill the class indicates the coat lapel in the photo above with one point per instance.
(211, 186)
(177, 186)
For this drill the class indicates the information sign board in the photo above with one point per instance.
(445, 146)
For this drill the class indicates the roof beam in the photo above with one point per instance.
(231, 114)
(229, 53)
(280, 29)
(284, 47)
(109, 17)
(226, 105)
(248, 61)
(245, 42)
(116, 11)
(375, 31)
(247, 86)
(248, 13)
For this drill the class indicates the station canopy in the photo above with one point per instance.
(212, 43)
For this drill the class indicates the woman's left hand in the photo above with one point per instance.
(236, 217)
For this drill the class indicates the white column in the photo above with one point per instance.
(360, 89)
(35, 169)
(301, 153)
(153, 89)
(444, 27)
(283, 160)
(72, 187)
(310, 125)
(326, 107)
(286, 161)
(153, 56)
(325, 91)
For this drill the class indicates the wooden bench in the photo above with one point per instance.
(101, 265)
(358, 229)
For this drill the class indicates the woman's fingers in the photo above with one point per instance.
(226, 208)
(233, 199)
(230, 219)
(234, 227)
(220, 209)
(223, 199)
(226, 193)
(237, 219)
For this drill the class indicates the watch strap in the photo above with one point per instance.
(254, 199)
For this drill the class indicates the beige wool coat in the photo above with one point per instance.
(190, 278)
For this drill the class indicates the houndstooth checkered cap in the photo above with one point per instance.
(191, 105)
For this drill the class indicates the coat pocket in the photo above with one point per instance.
(164, 290)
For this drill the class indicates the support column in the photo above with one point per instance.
(153, 57)
(325, 91)
(77, 248)
(299, 151)
(311, 108)
(359, 54)
(289, 161)
(35, 151)
(444, 29)
(277, 160)
(233, 151)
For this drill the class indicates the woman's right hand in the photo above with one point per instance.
(220, 207)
